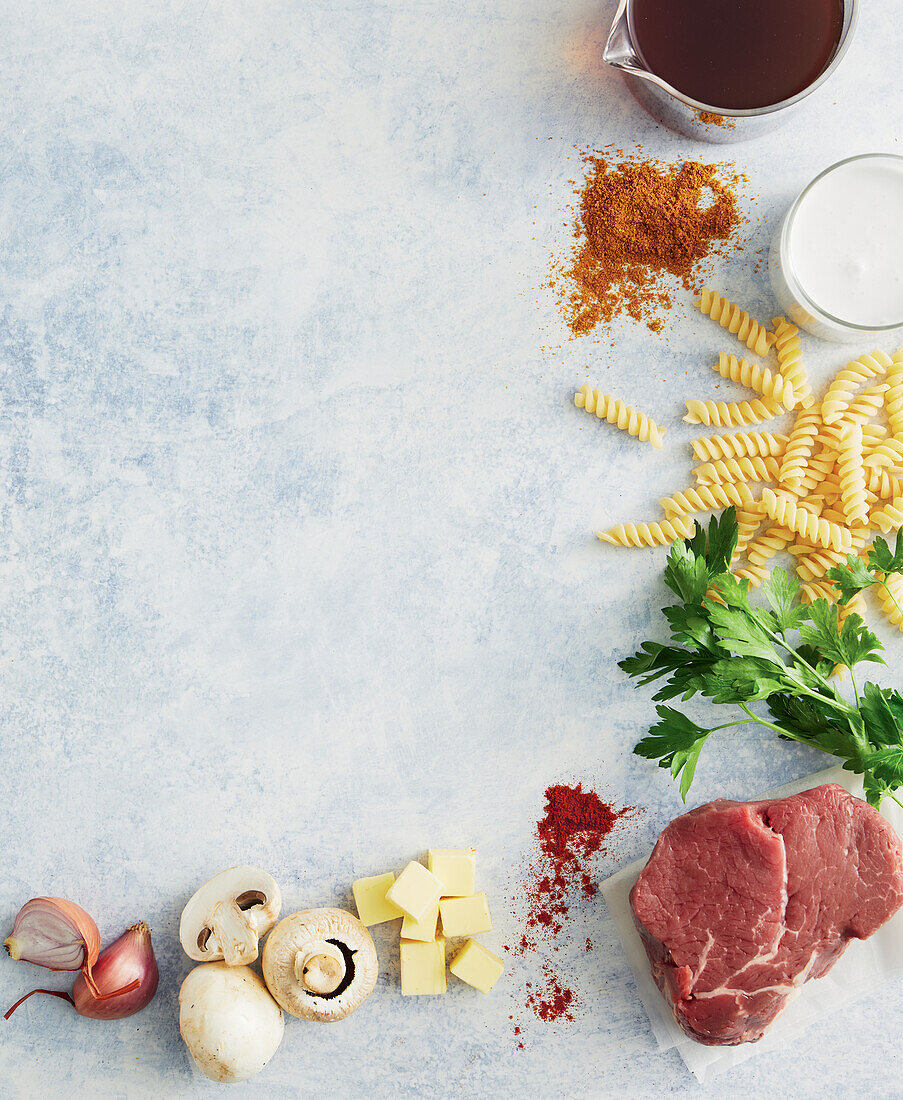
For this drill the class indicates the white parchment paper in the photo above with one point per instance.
(861, 969)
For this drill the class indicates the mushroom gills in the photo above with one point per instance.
(325, 968)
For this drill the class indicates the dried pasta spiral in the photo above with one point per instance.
(852, 477)
(816, 590)
(787, 513)
(799, 447)
(737, 469)
(892, 599)
(829, 435)
(749, 520)
(893, 402)
(706, 498)
(764, 548)
(625, 417)
(890, 517)
(731, 414)
(887, 453)
(790, 359)
(747, 330)
(648, 534)
(884, 485)
(819, 468)
(855, 606)
(815, 565)
(758, 378)
(863, 407)
(710, 448)
(848, 380)
(752, 572)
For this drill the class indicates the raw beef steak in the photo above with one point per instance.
(742, 902)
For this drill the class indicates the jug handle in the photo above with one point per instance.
(619, 48)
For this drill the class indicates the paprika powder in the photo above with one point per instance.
(641, 225)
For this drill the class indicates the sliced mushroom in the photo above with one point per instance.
(320, 964)
(227, 916)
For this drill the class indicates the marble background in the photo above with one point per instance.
(296, 526)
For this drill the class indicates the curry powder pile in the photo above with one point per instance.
(638, 223)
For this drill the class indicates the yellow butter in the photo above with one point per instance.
(455, 867)
(477, 966)
(373, 907)
(423, 967)
(421, 929)
(465, 916)
(415, 891)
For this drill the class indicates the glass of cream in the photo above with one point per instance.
(836, 264)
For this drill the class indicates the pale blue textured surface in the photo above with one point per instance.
(297, 516)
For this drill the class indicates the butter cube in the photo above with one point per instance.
(465, 916)
(373, 907)
(455, 867)
(421, 929)
(477, 966)
(423, 967)
(415, 891)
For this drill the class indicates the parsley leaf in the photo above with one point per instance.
(881, 560)
(852, 578)
(782, 592)
(846, 645)
(676, 743)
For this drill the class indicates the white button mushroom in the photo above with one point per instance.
(320, 964)
(227, 916)
(230, 1023)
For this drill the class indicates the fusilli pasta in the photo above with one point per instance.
(737, 469)
(893, 402)
(706, 498)
(648, 534)
(758, 378)
(892, 599)
(747, 330)
(787, 513)
(863, 407)
(799, 447)
(731, 414)
(790, 360)
(852, 477)
(764, 548)
(625, 417)
(890, 517)
(710, 448)
(848, 380)
(883, 484)
(887, 453)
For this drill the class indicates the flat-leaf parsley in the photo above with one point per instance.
(728, 650)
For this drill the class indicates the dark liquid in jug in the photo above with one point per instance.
(737, 54)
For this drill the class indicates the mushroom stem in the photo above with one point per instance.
(320, 967)
(235, 932)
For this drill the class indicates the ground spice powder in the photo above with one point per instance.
(640, 225)
(574, 827)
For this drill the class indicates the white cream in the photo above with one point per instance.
(846, 242)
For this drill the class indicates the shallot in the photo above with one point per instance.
(55, 933)
(124, 979)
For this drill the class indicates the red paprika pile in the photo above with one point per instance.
(572, 830)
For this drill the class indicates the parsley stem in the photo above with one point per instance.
(855, 688)
(783, 732)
